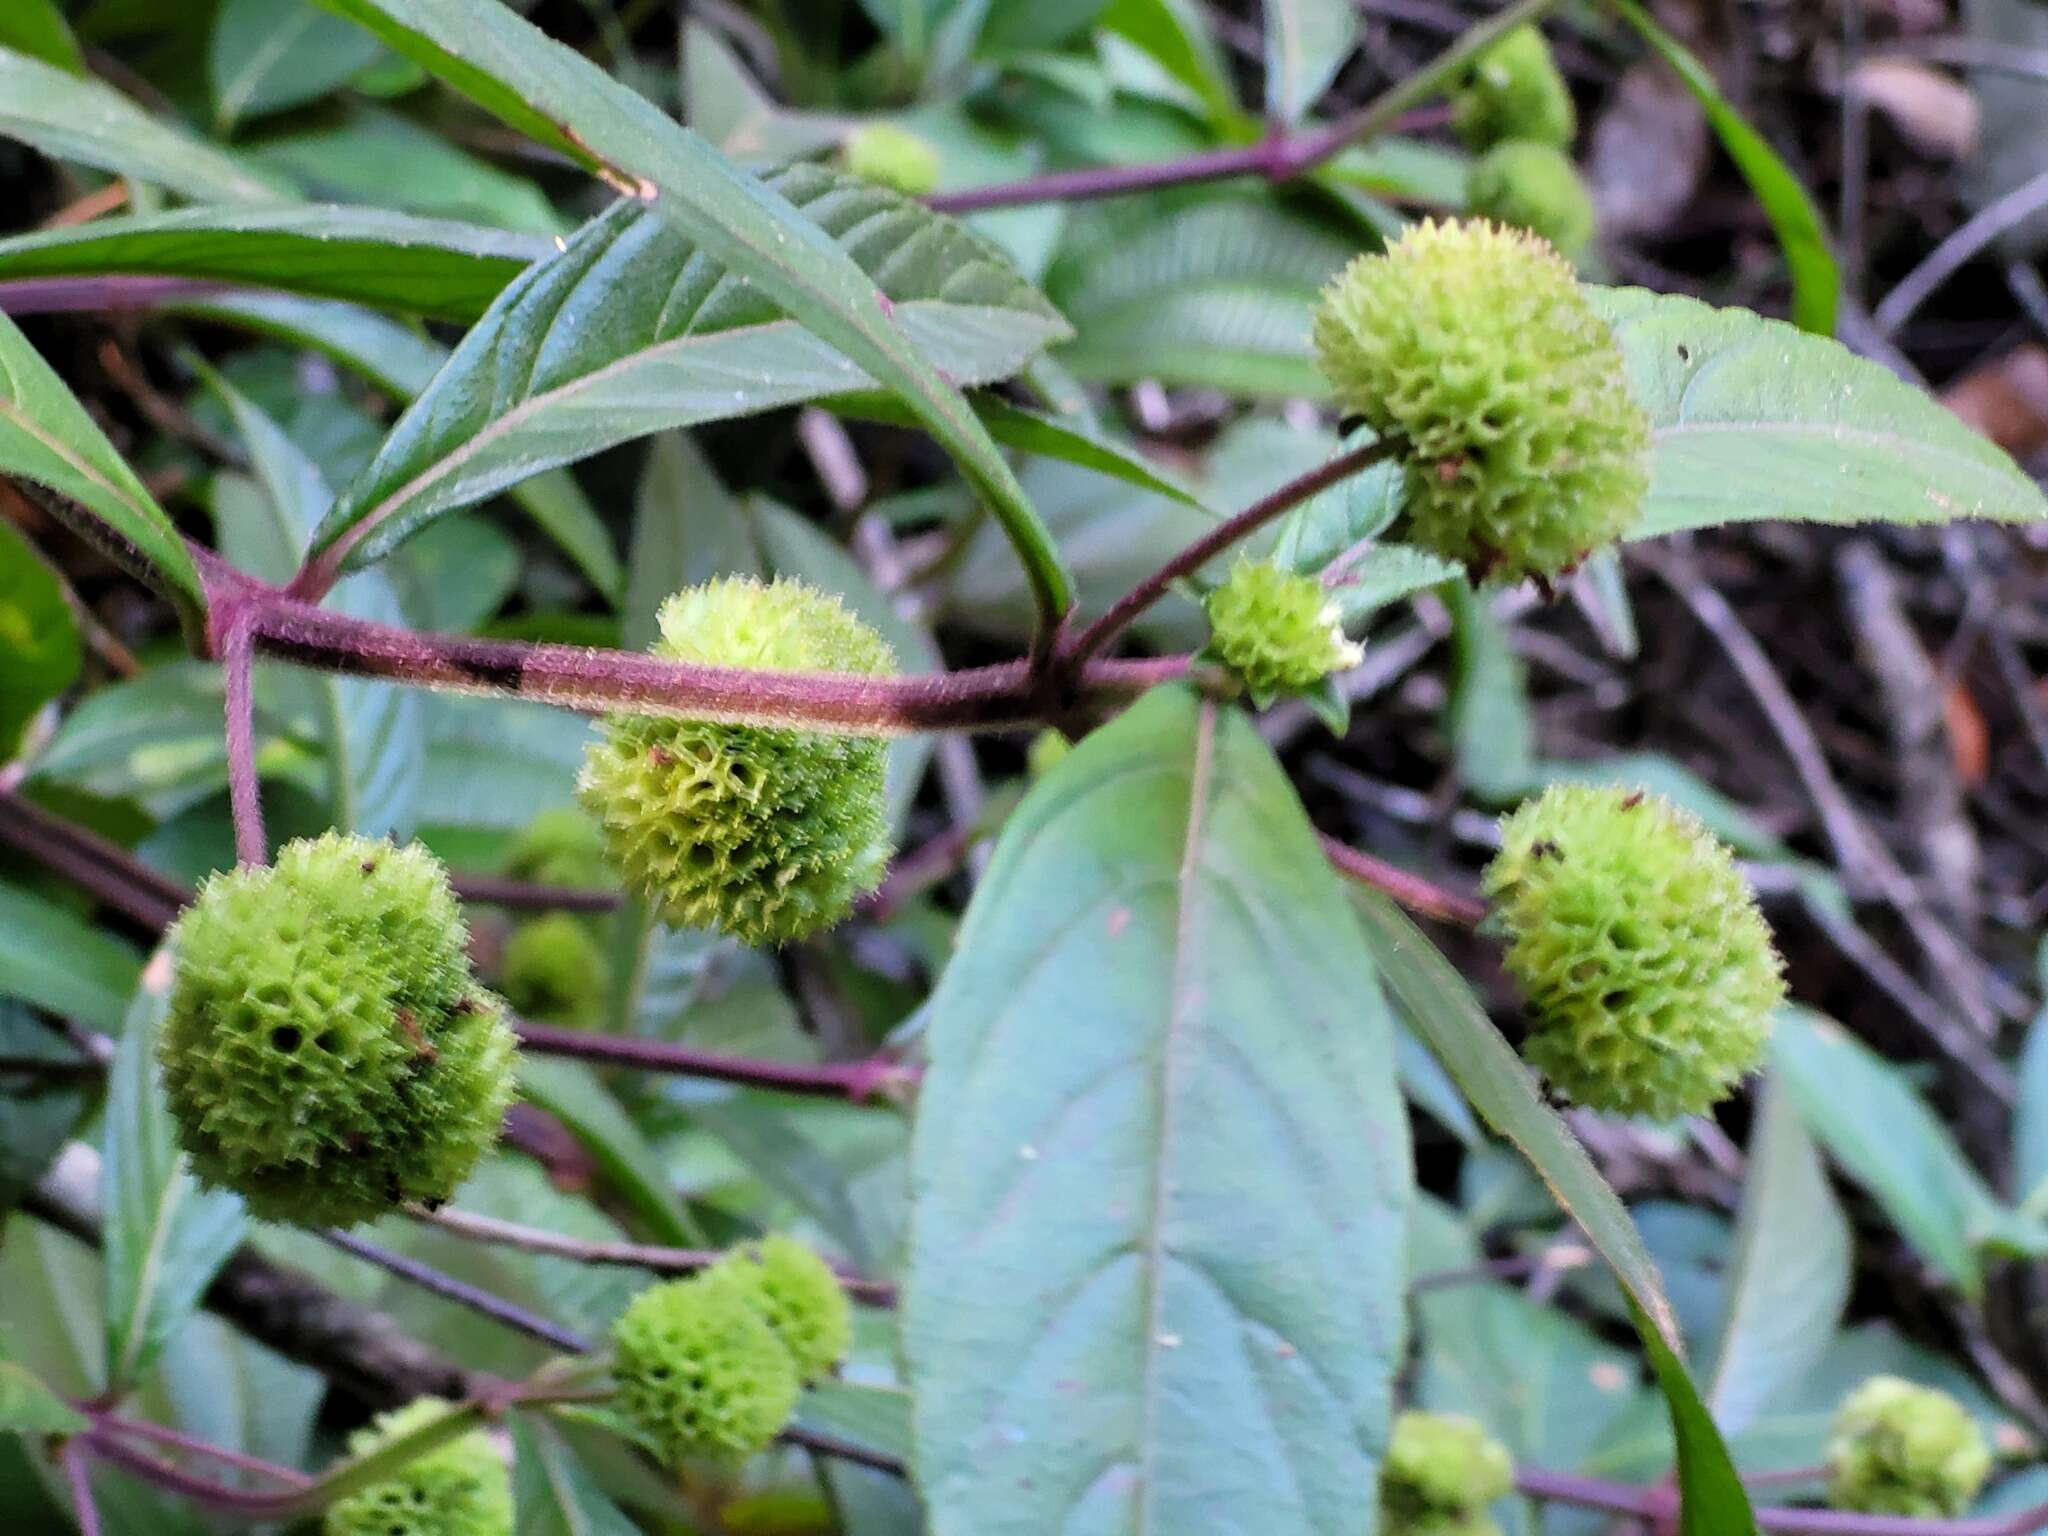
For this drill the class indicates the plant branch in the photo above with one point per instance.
(111, 875)
(855, 1080)
(245, 790)
(1279, 158)
(524, 896)
(478, 1300)
(662, 1261)
(1226, 533)
(83, 1509)
(163, 1434)
(1415, 892)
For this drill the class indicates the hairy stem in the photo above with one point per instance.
(1415, 892)
(111, 875)
(855, 1080)
(478, 1300)
(77, 1480)
(245, 792)
(1211, 544)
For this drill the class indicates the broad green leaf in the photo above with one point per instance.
(1176, 34)
(747, 227)
(1871, 1121)
(1789, 1278)
(83, 120)
(39, 653)
(875, 1417)
(1493, 733)
(1439, 1004)
(37, 28)
(47, 437)
(59, 962)
(1017, 26)
(373, 730)
(1307, 42)
(387, 260)
(1753, 419)
(28, 1407)
(682, 341)
(1161, 1166)
(38, 1110)
(154, 738)
(1816, 282)
(554, 1494)
(496, 762)
(165, 1237)
(268, 55)
(572, 1094)
(1206, 288)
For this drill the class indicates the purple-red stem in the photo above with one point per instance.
(79, 1481)
(1413, 891)
(61, 295)
(106, 871)
(855, 1080)
(163, 1434)
(236, 644)
(1226, 533)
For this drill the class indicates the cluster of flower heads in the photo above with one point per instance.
(709, 1368)
(1649, 974)
(1473, 349)
(459, 1488)
(1514, 111)
(769, 833)
(1442, 1473)
(327, 1052)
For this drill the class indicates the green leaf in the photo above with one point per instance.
(91, 123)
(1712, 1500)
(1439, 1003)
(1789, 1279)
(388, 260)
(165, 1237)
(27, 1407)
(154, 738)
(1307, 42)
(268, 55)
(1871, 1121)
(683, 341)
(57, 961)
(572, 1094)
(554, 1494)
(46, 436)
(1176, 35)
(745, 226)
(38, 1110)
(875, 1417)
(1816, 283)
(37, 28)
(1209, 288)
(496, 762)
(1161, 1168)
(39, 653)
(373, 730)
(1752, 419)
(1493, 733)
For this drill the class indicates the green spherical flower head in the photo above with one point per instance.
(1648, 971)
(1514, 91)
(1472, 347)
(563, 846)
(766, 833)
(1901, 1449)
(798, 1296)
(893, 157)
(1277, 630)
(1442, 1471)
(1534, 187)
(327, 1052)
(701, 1372)
(460, 1488)
(554, 971)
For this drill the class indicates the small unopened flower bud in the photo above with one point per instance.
(1514, 91)
(893, 157)
(1532, 186)
(1902, 1449)
(1442, 1471)
(1277, 630)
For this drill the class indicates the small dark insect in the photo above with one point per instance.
(369, 866)
(1632, 801)
(661, 757)
(421, 1045)
(1545, 849)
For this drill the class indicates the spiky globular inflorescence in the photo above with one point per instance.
(1902, 1449)
(798, 1296)
(1534, 187)
(764, 832)
(1276, 630)
(893, 157)
(1649, 973)
(460, 1488)
(1514, 90)
(1472, 347)
(327, 1052)
(562, 846)
(1442, 1471)
(701, 1372)
(554, 971)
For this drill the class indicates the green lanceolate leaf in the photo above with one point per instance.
(1712, 1500)
(1307, 42)
(39, 653)
(82, 120)
(1816, 281)
(37, 28)
(541, 382)
(1158, 1052)
(1875, 1124)
(28, 1407)
(572, 1094)
(165, 1238)
(387, 260)
(58, 961)
(749, 228)
(1789, 1279)
(1753, 419)
(553, 1492)
(47, 437)
(267, 55)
